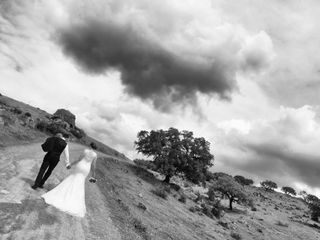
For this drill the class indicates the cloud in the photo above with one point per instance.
(257, 52)
(165, 62)
(148, 70)
(284, 149)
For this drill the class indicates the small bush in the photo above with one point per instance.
(27, 114)
(175, 187)
(161, 192)
(42, 126)
(182, 198)
(192, 209)
(142, 206)
(207, 210)
(282, 224)
(223, 224)
(217, 209)
(141, 228)
(76, 133)
(199, 198)
(16, 110)
(54, 128)
(236, 236)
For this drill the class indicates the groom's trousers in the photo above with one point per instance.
(50, 161)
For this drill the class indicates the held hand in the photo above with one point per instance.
(92, 180)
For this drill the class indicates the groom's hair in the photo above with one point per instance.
(93, 145)
(59, 135)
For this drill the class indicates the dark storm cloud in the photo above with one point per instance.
(148, 70)
(274, 161)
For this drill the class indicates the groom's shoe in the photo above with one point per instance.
(41, 186)
(34, 187)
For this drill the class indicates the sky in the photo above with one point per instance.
(243, 74)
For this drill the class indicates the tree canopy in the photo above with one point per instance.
(289, 190)
(269, 185)
(175, 152)
(243, 181)
(229, 187)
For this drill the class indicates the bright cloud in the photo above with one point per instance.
(245, 80)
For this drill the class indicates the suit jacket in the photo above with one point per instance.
(54, 146)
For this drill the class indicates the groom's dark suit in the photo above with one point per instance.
(54, 146)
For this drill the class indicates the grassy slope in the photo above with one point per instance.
(124, 186)
(17, 134)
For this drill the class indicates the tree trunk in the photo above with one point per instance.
(167, 179)
(230, 203)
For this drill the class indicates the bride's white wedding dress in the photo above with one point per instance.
(69, 195)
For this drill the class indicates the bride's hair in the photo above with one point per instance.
(93, 145)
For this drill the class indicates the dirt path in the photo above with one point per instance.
(24, 215)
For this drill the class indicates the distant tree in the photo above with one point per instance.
(311, 198)
(314, 206)
(215, 175)
(176, 152)
(243, 181)
(227, 186)
(269, 185)
(289, 190)
(303, 194)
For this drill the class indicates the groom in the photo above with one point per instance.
(54, 146)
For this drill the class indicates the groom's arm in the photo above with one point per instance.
(66, 153)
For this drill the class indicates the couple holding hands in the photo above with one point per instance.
(69, 195)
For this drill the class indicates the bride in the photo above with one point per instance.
(69, 195)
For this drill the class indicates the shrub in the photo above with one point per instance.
(199, 197)
(8, 119)
(182, 198)
(217, 209)
(192, 209)
(16, 110)
(282, 224)
(236, 236)
(269, 185)
(54, 128)
(42, 126)
(142, 206)
(207, 210)
(161, 192)
(27, 114)
(141, 228)
(289, 190)
(175, 187)
(78, 134)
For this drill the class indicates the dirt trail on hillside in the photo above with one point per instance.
(24, 215)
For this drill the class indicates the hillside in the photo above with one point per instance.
(123, 203)
(18, 124)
